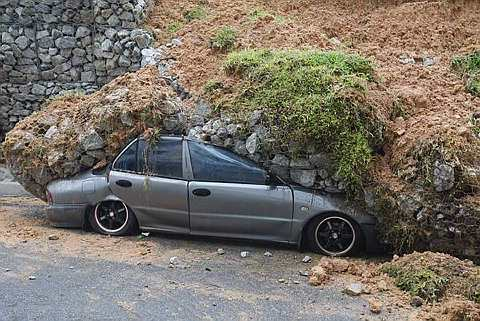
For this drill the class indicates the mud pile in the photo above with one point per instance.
(72, 132)
(433, 276)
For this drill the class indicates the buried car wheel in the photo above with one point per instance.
(113, 218)
(333, 235)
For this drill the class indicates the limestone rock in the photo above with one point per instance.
(443, 177)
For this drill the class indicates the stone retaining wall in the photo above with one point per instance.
(50, 46)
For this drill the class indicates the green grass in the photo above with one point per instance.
(257, 14)
(197, 13)
(312, 98)
(469, 67)
(224, 39)
(424, 283)
(175, 26)
(212, 85)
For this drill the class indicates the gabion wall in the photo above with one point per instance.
(49, 46)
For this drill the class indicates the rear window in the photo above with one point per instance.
(127, 161)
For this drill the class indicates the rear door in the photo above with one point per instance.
(126, 179)
(156, 189)
(166, 189)
(229, 196)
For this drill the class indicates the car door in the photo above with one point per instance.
(160, 192)
(229, 196)
(126, 180)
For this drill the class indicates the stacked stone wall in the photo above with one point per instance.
(51, 46)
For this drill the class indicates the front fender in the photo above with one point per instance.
(309, 204)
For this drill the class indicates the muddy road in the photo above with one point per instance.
(58, 274)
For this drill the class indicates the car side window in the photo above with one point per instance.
(215, 164)
(127, 161)
(164, 158)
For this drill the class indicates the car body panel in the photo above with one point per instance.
(167, 201)
(267, 212)
(241, 210)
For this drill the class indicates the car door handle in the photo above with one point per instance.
(124, 183)
(201, 192)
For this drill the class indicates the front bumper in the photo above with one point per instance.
(67, 215)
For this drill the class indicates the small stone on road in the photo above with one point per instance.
(307, 259)
(354, 289)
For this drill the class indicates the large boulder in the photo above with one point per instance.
(74, 132)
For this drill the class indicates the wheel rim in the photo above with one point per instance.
(335, 235)
(111, 216)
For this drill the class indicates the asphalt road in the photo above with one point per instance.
(83, 289)
(50, 281)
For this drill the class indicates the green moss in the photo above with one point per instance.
(424, 283)
(197, 13)
(224, 39)
(312, 98)
(469, 67)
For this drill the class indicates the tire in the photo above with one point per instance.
(334, 235)
(113, 218)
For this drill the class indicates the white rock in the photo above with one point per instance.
(354, 289)
(244, 254)
(307, 259)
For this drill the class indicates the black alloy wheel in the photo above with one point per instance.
(113, 218)
(333, 235)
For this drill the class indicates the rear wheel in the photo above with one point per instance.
(113, 218)
(333, 235)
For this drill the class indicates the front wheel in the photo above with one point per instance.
(333, 235)
(113, 218)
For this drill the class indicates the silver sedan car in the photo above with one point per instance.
(183, 186)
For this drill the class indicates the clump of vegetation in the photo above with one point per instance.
(432, 276)
(212, 85)
(469, 67)
(196, 13)
(175, 26)
(224, 39)
(259, 14)
(312, 98)
(423, 283)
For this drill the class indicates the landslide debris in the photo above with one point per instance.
(438, 286)
(73, 132)
(327, 101)
(433, 276)
(423, 182)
